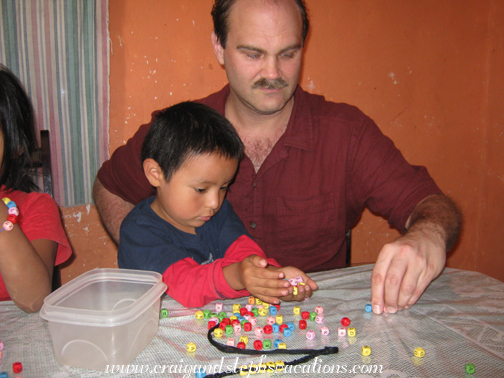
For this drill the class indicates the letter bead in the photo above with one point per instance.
(369, 308)
(262, 312)
(282, 346)
(200, 373)
(198, 314)
(291, 326)
(345, 322)
(219, 306)
(470, 368)
(419, 352)
(259, 331)
(258, 345)
(247, 327)
(251, 300)
(218, 333)
(283, 326)
(324, 331)
(268, 329)
(229, 329)
(366, 351)
(17, 367)
(237, 328)
(273, 310)
(296, 310)
(287, 332)
(240, 345)
(320, 319)
(276, 328)
(270, 320)
(279, 319)
(191, 347)
(276, 342)
(267, 344)
(230, 341)
(294, 290)
(243, 339)
(310, 335)
(302, 324)
(341, 331)
(211, 324)
(313, 315)
(164, 313)
(351, 332)
(253, 321)
(305, 315)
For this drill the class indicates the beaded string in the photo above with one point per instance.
(13, 214)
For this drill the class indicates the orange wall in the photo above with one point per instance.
(429, 73)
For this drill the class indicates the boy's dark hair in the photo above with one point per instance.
(18, 129)
(189, 129)
(220, 15)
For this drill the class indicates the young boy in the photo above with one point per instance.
(188, 232)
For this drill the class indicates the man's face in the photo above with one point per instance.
(263, 53)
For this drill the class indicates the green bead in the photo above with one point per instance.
(221, 316)
(206, 314)
(229, 329)
(313, 315)
(164, 313)
(470, 368)
(254, 311)
(267, 344)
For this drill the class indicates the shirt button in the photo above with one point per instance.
(253, 225)
(255, 184)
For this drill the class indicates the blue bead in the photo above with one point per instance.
(273, 310)
(287, 332)
(200, 373)
(369, 308)
(9, 205)
(276, 342)
(291, 326)
(276, 328)
(3, 374)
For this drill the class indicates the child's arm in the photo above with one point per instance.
(26, 267)
(304, 291)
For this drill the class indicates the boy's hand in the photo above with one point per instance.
(303, 291)
(266, 284)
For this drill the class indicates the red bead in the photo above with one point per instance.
(241, 345)
(222, 326)
(302, 324)
(226, 321)
(17, 367)
(258, 345)
(345, 322)
(268, 329)
(247, 327)
(305, 315)
(243, 311)
(277, 306)
(235, 321)
(12, 218)
(283, 326)
(211, 324)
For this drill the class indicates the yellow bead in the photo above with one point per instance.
(297, 310)
(6, 200)
(236, 307)
(366, 351)
(419, 352)
(265, 305)
(301, 283)
(198, 315)
(243, 370)
(243, 339)
(218, 333)
(351, 332)
(258, 301)
(279, 365)
(279, 319)
(252, 369)
(282, 346)
(191, 347)
(262, 368)
(231, 318)
(295, 290)
(262, 312)
(270, 366)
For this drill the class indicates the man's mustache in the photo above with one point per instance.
(270, 84)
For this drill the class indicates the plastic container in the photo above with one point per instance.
(104, 317)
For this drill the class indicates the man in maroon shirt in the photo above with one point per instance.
(311, 165)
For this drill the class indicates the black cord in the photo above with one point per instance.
(310, 354)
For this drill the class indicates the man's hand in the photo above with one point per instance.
(405, 268)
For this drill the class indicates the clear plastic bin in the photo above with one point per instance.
(104, 317)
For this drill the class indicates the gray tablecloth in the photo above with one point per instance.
(459, 319)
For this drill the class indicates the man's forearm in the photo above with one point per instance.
(112, 209)
(439, 214)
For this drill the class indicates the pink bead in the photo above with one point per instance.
(13, 211)
(270, 320)
(259, 331)
(310, 335)
(345, 322)
(319, 310)
(237, 328)
(324, 331)
(230, 342)
(320, 319)
(249, 306)
(341, 331)
(8, 226)
(218, 307)
(247, 316)
(214, 319)
(253, 321)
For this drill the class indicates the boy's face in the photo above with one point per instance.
(195, 191)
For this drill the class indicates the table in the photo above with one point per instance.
(459, 319)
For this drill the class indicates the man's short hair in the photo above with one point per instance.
(189, 129)
(220, 15)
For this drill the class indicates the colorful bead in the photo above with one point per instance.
(218, 333)
(247, 327)
(259, 331)
(470, 368)
(12, 218)
(324, 331)
(6, 200)
(279, 366)
(237, 328)
(243, 311)
(200, 373)
(369, 308)
(351, 332)
(310, 335)
(273, 310)
(266, 305)
(268, 329)
(255, 311)
(320, 319)
(345, 322)
(287, 332)
(295, 290)
(419, 352)
(214, 319)
(219, 306)
(305, 315)
(13, 211)
(234, 320)
(7, 226)
(164, 313)
(226, 321)
(258, 301)
(253, 321)
(270, 320)
(4, 375)
(366, 351)
(296, 281)
(198, 314)
(258, 345)
(319, 310)
(276, 328)
(282, 345)
(276, 342)
(11, 204)
(279, 319)
(222, 326)
(17, 367)
(243, 339)
(249, 306)
(302, 324)
(267, 344)
(251, 300)
(313, 315)
(229, 329)
(230, 341)
(191, 347)
(262, 312)
(211, 324)
(283, 326)
(270, 365)
(206, 314)
(296, 310)
(241, 345)
(341, 331)
(291, 326)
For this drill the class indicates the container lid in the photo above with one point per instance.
(56, 306)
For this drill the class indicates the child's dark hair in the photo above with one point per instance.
(188, 129)
(18, 129)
